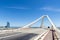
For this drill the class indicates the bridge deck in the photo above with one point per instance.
(23, 34)
(27, 34)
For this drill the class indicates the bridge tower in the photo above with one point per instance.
(42, 22)
(41, 18)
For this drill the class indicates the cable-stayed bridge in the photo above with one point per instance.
(27, 33)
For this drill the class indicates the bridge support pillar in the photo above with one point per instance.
(42, 22)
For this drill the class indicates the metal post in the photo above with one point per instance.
(52, 33)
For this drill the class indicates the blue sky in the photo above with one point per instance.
(22, 12)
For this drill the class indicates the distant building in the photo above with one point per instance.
(8, 25)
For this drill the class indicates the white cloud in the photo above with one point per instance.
(18, 7)
(50, 9)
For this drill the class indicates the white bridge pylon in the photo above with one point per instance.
(42, 17)
(30, 24)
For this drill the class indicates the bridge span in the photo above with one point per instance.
(27, 33)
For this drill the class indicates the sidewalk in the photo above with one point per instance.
(48, 36)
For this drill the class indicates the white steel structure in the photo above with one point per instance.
(42, 18)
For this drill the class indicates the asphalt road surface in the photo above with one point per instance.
(24, 36)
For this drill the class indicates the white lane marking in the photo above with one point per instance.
(44, 35)
(40, 36)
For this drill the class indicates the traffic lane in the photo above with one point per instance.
(7, 34)
(20, 37)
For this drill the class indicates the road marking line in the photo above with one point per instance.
(40, 36)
